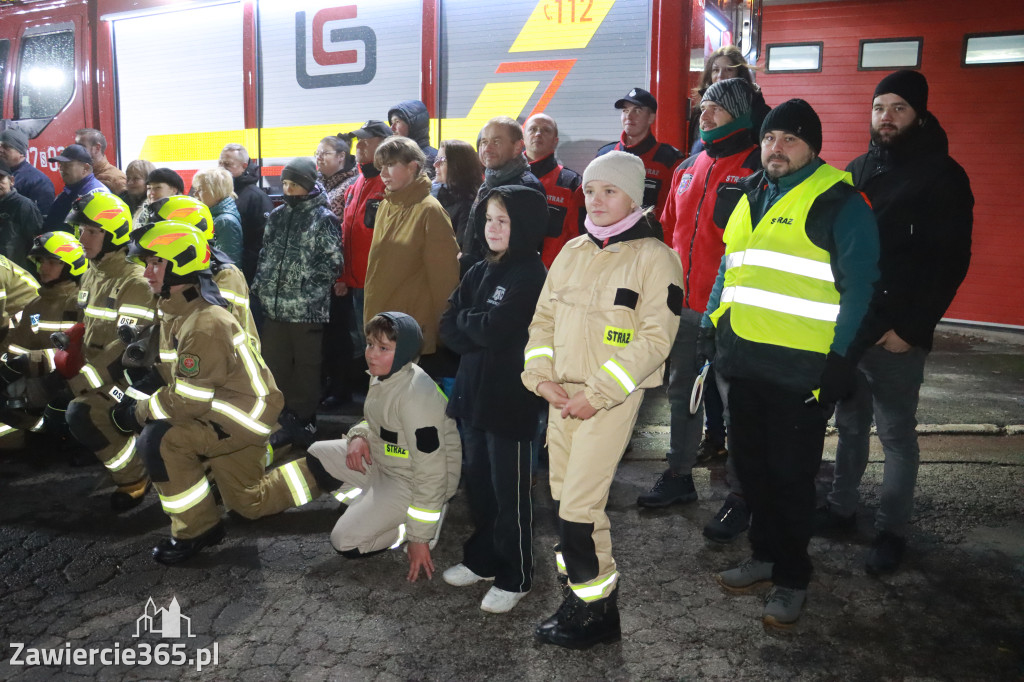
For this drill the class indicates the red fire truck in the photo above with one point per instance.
(173, 81)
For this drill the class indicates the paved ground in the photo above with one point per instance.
(279, 604)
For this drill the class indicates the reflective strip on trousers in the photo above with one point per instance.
(425, 515)
(349, 496)
(783, 262)
(15, 349)
(560, 562)
(594, 590)
(51, 358)
(5, 429)
(620, 375)
(401, 537)
(121, 459)
(790, 305)
(182, 502)
(539, 352)
(296, 484)
(38, 426)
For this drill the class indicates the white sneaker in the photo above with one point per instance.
(437, 528)
(498, 600)
(460, 576)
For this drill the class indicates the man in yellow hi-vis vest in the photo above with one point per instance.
(801, 258)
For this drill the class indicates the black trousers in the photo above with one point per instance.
(498, 473)
(339, 368)
(777, 441)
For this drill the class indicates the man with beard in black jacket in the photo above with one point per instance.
(253, 203)
(924, 207)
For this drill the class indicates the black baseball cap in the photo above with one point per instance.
(371, 128)
(639, 97)
(73, 152)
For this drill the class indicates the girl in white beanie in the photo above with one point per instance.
(604, 324)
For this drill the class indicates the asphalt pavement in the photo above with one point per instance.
(274, 602)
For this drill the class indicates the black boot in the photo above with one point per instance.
(584, 624)
(172, 550)
(566, 592)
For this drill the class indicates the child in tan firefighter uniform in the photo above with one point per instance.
(29, 354)
(112, 292)
(217, 405)
(398, 467)
(604, 325)
(18, 288)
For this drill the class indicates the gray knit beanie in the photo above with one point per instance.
(301, 171)
(734, 95)
(622, 169)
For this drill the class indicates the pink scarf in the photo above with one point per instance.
(609, 231)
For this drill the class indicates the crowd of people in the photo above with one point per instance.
(490, 304)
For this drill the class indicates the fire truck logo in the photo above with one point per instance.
(326, 52)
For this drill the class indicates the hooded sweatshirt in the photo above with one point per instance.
(414, 113)
(488, 322)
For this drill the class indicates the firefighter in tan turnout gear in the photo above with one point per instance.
(17, 290)
(217, 405)
(112, 293)
(29, 354)
(226, 274)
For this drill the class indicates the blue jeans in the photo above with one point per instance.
(888, 385)
(686, 428)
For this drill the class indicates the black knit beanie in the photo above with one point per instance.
(301, 171)
(168, 177)
(910, 85)
(795, 116)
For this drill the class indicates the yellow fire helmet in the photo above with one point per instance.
(184, 209)
(62, 246)
(177, 242)
(103, 210)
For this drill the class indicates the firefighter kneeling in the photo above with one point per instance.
(216, 407)
(31, 369)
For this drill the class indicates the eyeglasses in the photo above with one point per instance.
(440, 160)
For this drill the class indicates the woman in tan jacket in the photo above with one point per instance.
(413, 264)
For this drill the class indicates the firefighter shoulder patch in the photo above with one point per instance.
(188, 364)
